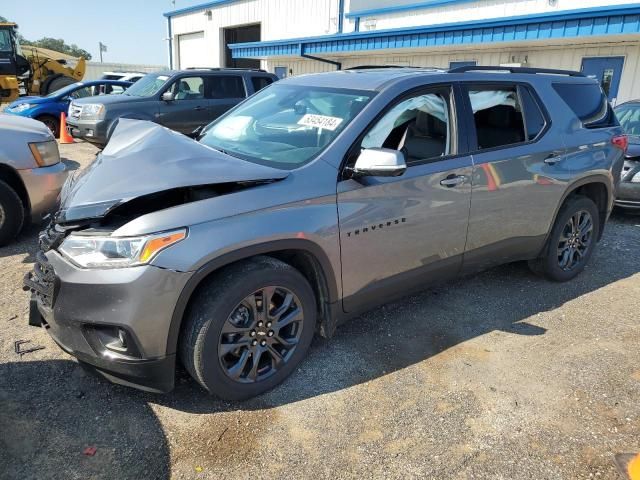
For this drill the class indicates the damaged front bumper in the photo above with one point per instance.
(116, 321)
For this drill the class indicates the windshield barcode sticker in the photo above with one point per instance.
(320, 121)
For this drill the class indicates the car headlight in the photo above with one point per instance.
(100, 251)
(636, 178)
(92, 111)
(21, 108)
(45, 153)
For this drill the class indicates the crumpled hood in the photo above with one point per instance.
(142, 158)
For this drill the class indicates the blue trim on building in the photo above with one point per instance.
(195, 8)
(403, 8)
(340, 15)
(623, 19)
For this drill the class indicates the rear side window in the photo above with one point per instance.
(497, 115)
(227, 86)
(505, 115)
(534, 121)
(588, 102)
(260, 82)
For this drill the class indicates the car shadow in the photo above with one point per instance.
(51, 411)
(418, 327)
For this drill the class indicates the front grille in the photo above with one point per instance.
(41, 280)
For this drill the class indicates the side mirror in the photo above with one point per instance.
(167, 96)
(380, 162)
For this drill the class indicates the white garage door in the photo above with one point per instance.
(191, 50)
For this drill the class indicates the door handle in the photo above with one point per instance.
(453, 180)
(553, 158)
(198, 108)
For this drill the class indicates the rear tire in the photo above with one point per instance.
(235, 347)
(11, 214)
(52, 124)
(572, 241)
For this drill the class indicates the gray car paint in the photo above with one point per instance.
(42, 184)
(444, 231)
(154, 159)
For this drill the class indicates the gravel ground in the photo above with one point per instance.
(501, 375)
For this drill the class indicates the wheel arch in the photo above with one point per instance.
(304, 255)
(11, 178)
(598, 188)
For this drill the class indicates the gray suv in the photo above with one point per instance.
(184, 100)
(317, 198)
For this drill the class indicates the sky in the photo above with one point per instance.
(134, 31)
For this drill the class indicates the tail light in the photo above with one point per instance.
(621, 142)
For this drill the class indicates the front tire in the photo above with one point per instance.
(11, 214)
(572, 241)
(248, 327)
(52, 124)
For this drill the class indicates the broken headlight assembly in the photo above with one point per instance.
(104, 251)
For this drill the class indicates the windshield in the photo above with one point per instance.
(629, 118)
(285, 126)
(5, 41)
(147, 86)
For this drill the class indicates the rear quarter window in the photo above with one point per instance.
(588, 102)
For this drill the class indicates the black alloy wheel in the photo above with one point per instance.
(261, 334)
(575, 240)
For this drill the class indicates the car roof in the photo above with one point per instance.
(213, 70)
(123, 73)
(105, 82)
(380, 78)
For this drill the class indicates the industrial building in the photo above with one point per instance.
(292, 37)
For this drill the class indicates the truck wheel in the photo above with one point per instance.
(11, 213)
(52, 124)
(248, 327)
(58, 83)
(571, 242)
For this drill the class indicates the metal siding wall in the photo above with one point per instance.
(567, 57)
(279, 19)
(96, 69)
(481, 10)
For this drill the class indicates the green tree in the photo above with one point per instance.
(56, 44)
(59, 45)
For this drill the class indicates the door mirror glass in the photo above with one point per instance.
(167, 96)
(380, 162)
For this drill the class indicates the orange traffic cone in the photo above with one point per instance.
(64, 135)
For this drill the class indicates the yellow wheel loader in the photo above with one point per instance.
(31, 70)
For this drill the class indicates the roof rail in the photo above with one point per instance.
(545, 71)
(226, 68)
(367, 67)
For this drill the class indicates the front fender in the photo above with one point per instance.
(264, 248)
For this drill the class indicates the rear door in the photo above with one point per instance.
(225, 92)
(519, 173)
(189, 108)
(399, 233)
